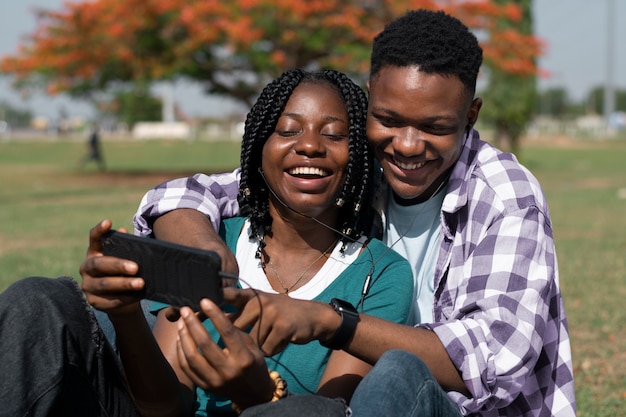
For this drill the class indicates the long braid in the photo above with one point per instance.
(260, 124)
(356, 190)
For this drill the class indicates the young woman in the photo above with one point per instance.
(304, 194)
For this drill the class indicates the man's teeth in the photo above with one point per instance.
(308, 171)
(408, 166)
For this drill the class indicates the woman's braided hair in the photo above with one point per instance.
(354, 198)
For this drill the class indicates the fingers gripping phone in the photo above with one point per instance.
(174, 274)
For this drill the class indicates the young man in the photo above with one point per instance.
(471, 220)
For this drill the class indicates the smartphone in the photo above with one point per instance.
(174, 274)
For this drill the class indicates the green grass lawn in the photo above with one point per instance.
(47, 207)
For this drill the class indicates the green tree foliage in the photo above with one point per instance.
(136, 105)
(510, 98)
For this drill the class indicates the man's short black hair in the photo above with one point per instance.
(432, 40)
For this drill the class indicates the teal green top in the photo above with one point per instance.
(389, 297)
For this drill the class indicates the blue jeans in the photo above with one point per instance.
(107, 326)
(400, 385)
(54, 358)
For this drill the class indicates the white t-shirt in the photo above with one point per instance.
(252, 275)
(414, 232)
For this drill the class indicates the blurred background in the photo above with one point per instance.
(181, 63)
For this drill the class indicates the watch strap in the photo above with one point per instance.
(349, 319)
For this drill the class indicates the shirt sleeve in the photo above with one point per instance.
(214, 195)
(494, 328)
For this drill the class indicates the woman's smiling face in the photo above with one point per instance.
(305, 159)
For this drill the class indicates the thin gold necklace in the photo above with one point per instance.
(280, 281)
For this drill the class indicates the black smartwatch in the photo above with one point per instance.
(349, 319)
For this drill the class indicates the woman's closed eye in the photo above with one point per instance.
(335, 136)
(287, 133)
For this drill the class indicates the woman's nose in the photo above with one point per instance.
(310, 143)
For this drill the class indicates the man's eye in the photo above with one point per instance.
(387, 122)
(438, 130)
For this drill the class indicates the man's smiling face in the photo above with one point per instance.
(416, 124)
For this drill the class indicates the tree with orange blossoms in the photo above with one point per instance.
(510, 95)
(233, 47)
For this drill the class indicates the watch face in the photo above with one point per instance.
(343, 306)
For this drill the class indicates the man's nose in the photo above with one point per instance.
(409, 141)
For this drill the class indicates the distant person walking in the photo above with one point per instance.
(94, 152)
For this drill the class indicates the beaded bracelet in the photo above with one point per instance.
(280, 390)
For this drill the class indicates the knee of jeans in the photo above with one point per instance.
(403, 362)
(37, 293)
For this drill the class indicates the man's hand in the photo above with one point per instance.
(106, 279)
(192, 228)
(277, 320)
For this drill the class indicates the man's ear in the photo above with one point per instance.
(474, 110)
(367, 86)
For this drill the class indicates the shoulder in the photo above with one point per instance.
(381, 251)
(507, 177)
(386, 260)
(389, 283)
(490, 179)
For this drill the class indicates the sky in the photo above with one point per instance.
(576, 33)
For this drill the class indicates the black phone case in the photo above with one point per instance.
(174, 274)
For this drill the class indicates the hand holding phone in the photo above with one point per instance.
(174, 274)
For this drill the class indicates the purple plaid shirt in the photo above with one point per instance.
(497, 305)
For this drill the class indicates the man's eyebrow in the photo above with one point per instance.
(387, 111)
(431, 119)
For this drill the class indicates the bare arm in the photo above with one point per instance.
(158, 390)
(297, 321)
(374, 336)
(343, 373)
(192, 228)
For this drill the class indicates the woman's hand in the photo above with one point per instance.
(106, 279)
(237, 371)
